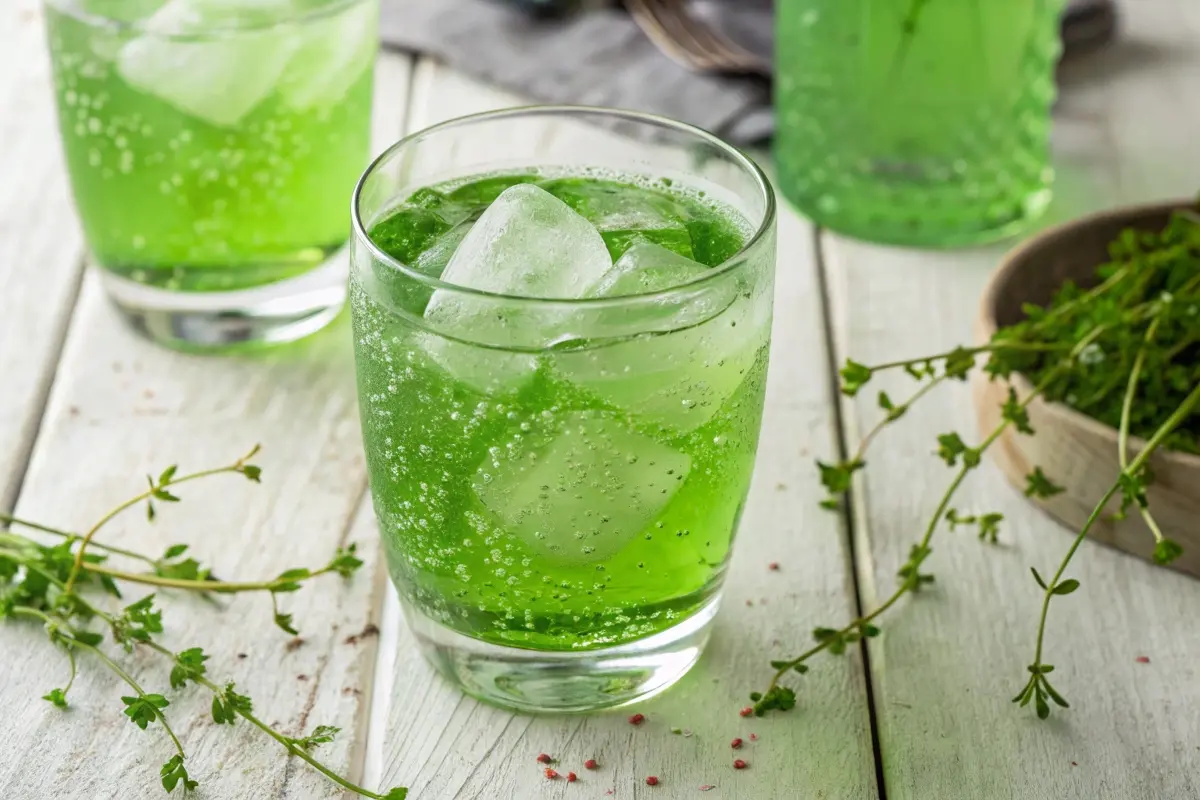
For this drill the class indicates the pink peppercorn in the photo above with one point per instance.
(652, 781)
(739, 764)
(736, 744)
(747, 711)
(637, 719)
(591, 764)
(544, 759)
(572, 777)
(551, 774)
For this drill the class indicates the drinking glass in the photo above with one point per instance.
(211, 145)
(558, 483)
(918, 122)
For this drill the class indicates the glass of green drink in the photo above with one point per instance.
(561, 324)
(917, 122)
(211, 145)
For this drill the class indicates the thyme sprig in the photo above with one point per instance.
(56, 585)
(1125, 351)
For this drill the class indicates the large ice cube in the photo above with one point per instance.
(584, 494)
(623, 215)
(528, 244)
(218, 78)
(332, 55)
(677, 380)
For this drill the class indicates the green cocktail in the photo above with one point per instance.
(211, 143)
(559, 465)
(920, 122)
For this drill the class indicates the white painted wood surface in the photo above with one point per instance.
(942, 674)
(41, 250)
(120, 408)
(949, 661)
(445, 745)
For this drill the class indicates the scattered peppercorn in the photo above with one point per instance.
(544, 759)
(652, 781)
(572, 777)
(754, 737)
(739, 764)
(1143, 659)
(773, 566)
(591, 764)
(637, 719)
(747, 711)
(736, 744)
(551, 774)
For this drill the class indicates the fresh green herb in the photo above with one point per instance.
(1125, 352)
(52, 584)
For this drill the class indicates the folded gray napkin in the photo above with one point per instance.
(599, 57)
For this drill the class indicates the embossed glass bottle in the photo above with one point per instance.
(919, 122)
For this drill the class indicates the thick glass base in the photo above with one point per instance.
(539, 681)
(245, 319)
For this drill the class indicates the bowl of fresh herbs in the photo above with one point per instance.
(1126, 283)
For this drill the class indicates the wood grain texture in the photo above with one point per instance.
(41, 254)
(445, 745)
(950, 660)
(122, 407)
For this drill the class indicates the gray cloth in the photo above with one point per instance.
(600, 58)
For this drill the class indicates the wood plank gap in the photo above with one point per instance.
(850, 504)
(42, 398)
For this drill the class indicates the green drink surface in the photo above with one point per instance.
(215, 162)
(593, 503)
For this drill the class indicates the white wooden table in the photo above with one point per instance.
(922, 714)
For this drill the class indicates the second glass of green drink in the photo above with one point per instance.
(211, 145)
(561, 321)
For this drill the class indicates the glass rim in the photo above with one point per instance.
(359, 231)
(72, 9)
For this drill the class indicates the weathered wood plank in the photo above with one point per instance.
(949, 661)
(41, 251)
(446, 745)
(121, 408)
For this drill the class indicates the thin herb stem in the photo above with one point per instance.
(865, 444)
(142, 497)
(70, 641)
(285, 741)
(1135, 374)
(220, 587)
(11, 520)
(1176, 419)
(930, 529)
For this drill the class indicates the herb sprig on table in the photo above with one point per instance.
(70, 586)
(1125, 351)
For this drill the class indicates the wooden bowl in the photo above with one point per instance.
(1075, 451)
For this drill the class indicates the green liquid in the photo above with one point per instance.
(571, 512)
(247, 188)
(919, 122)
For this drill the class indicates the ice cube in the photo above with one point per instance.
(529, 244)
(625, 215)
(681, 379)
(586, 493)
(218, 78)
(332, 56)
(647, 267)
